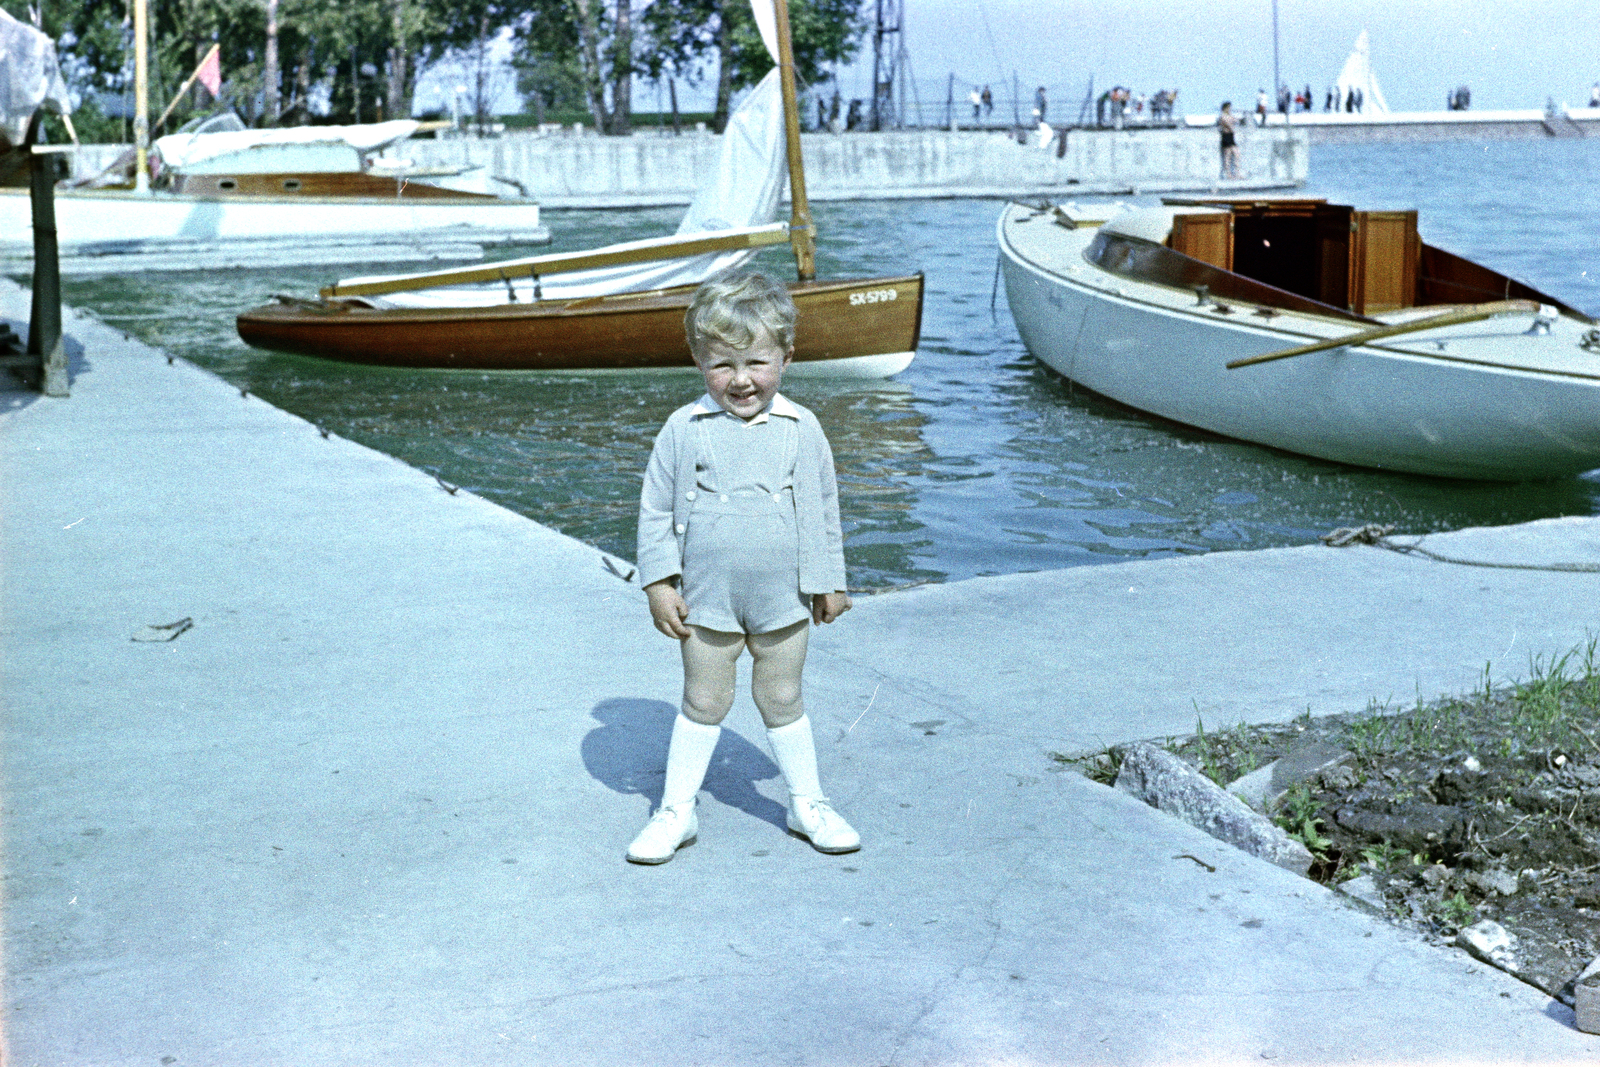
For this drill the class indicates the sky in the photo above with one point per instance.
(1511, 53)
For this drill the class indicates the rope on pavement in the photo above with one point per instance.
(1374, 534)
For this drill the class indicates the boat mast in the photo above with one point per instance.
(802, 232)
(141, 97)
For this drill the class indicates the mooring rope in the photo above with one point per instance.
(1374, 534)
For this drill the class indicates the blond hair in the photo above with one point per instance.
(736, 310)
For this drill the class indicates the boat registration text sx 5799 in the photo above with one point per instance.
(873, 296)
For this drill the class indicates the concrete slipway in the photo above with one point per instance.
(371, 809)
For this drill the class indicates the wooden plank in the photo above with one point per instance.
(1333, 254)
(1446, 278)
(1383, 261)
(1208, 238)
(561, 262)
(341, 183)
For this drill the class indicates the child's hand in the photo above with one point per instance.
(668, 609)
(825, 607)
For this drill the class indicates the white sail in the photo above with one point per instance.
(1357, 75)
(742, 192)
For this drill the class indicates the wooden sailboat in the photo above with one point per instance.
(223, 196)
(867, 327)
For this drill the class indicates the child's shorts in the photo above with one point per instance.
(741, 563)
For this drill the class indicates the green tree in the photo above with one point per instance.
(361, 55)
(562, 45)
(689, 34)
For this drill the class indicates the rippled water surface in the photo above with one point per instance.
(976, 460)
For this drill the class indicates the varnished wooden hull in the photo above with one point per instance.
(857, 323)
(312, 184)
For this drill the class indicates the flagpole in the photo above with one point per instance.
(141, 97)
(215, 48)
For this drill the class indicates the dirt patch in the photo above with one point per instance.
(1478, 807)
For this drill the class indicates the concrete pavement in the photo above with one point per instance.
(372, 807)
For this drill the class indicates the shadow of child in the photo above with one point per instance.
(628, 753)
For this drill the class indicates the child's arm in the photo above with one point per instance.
(660, 558)
(825, 607)
(668, 609)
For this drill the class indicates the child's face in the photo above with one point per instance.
(744, 380)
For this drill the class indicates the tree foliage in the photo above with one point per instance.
(694, 36)
(357, 60)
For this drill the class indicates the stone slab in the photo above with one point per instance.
(372, 806)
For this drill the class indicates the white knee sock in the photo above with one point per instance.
(688, 756)
(796, 753)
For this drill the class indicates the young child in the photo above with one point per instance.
(740, 548)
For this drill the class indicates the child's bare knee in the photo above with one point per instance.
(776, 694)
(707, 705)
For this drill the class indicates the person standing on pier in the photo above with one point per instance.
(740, 548)
(1228, 126)
(1040, 105)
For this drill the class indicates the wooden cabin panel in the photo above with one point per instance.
(1333, 255)
(1383, 261)
(1208, 238)
(227, 186)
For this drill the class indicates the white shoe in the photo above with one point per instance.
(812, 818)
(668, 830)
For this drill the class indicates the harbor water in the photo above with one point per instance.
(977, 460)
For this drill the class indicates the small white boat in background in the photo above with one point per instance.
(227, 196)
(1311, 327)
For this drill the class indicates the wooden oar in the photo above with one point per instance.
(1476, 313)
(562, 262)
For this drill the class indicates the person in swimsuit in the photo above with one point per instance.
(740, 549)
(1227, 124)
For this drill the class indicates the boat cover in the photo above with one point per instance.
(180, 151)
(740, 194)
(30, 77)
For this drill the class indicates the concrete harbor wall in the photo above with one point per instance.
(647, 169)
(570, 171)
(1423, 126)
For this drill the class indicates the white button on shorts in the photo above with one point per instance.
(681, 527)
(689, 495)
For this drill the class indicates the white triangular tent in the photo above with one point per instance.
(1357, 74)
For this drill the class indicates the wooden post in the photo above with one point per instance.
(141, 97)
(802, 232)
(44, 320)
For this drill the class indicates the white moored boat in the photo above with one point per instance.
(1310, 327)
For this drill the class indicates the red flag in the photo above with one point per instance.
(209, 73)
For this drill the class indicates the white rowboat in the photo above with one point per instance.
(1152, 306)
